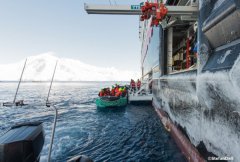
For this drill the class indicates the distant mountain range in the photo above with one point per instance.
(40, 68)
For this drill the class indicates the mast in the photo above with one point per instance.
(47, 101)
(19, 81)
(55, 117)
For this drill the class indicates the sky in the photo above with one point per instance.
(31, 27)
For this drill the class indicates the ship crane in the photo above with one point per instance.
(145, 10)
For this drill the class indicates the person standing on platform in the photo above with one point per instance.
(133, 85)
(138, 84)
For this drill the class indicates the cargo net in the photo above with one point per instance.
(157, 10)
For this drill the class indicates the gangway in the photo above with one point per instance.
(113, 9)
(143, 94)
(136, 10)
(140, 98)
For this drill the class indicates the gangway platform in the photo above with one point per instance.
(133, 98)
(143, 94)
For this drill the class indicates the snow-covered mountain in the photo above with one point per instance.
(40, 68)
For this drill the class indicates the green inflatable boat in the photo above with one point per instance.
(111, 101)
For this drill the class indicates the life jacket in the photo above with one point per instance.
(101, 94)
(118, 94)
(133, 84)
(112, 92)
(116, 90)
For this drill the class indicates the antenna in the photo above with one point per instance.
(19, 81)
(55, 117)
(47, 101)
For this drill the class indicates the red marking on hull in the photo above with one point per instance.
(190, 152)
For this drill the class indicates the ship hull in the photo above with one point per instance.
(203, 102)
(205, 106)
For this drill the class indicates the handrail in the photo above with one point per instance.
(53, 131)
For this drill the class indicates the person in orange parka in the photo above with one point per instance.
(118, 94)
(117, 91)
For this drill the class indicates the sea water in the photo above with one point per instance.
(132, 133)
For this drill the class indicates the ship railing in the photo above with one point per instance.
(143, 90)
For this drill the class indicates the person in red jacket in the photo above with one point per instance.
(138, 84)
(101, 93)
(132, 85)
(112, 93)
(116, 89)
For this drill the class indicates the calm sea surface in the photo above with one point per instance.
(133, 133)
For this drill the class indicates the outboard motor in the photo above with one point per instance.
(80, 158)
(22, 143)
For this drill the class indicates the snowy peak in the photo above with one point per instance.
(40, 68)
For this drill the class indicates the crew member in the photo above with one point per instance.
(150, 86)
(133, 85)
(138, 84)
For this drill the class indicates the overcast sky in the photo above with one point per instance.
(31, 27)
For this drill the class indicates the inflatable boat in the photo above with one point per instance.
(111, 101)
